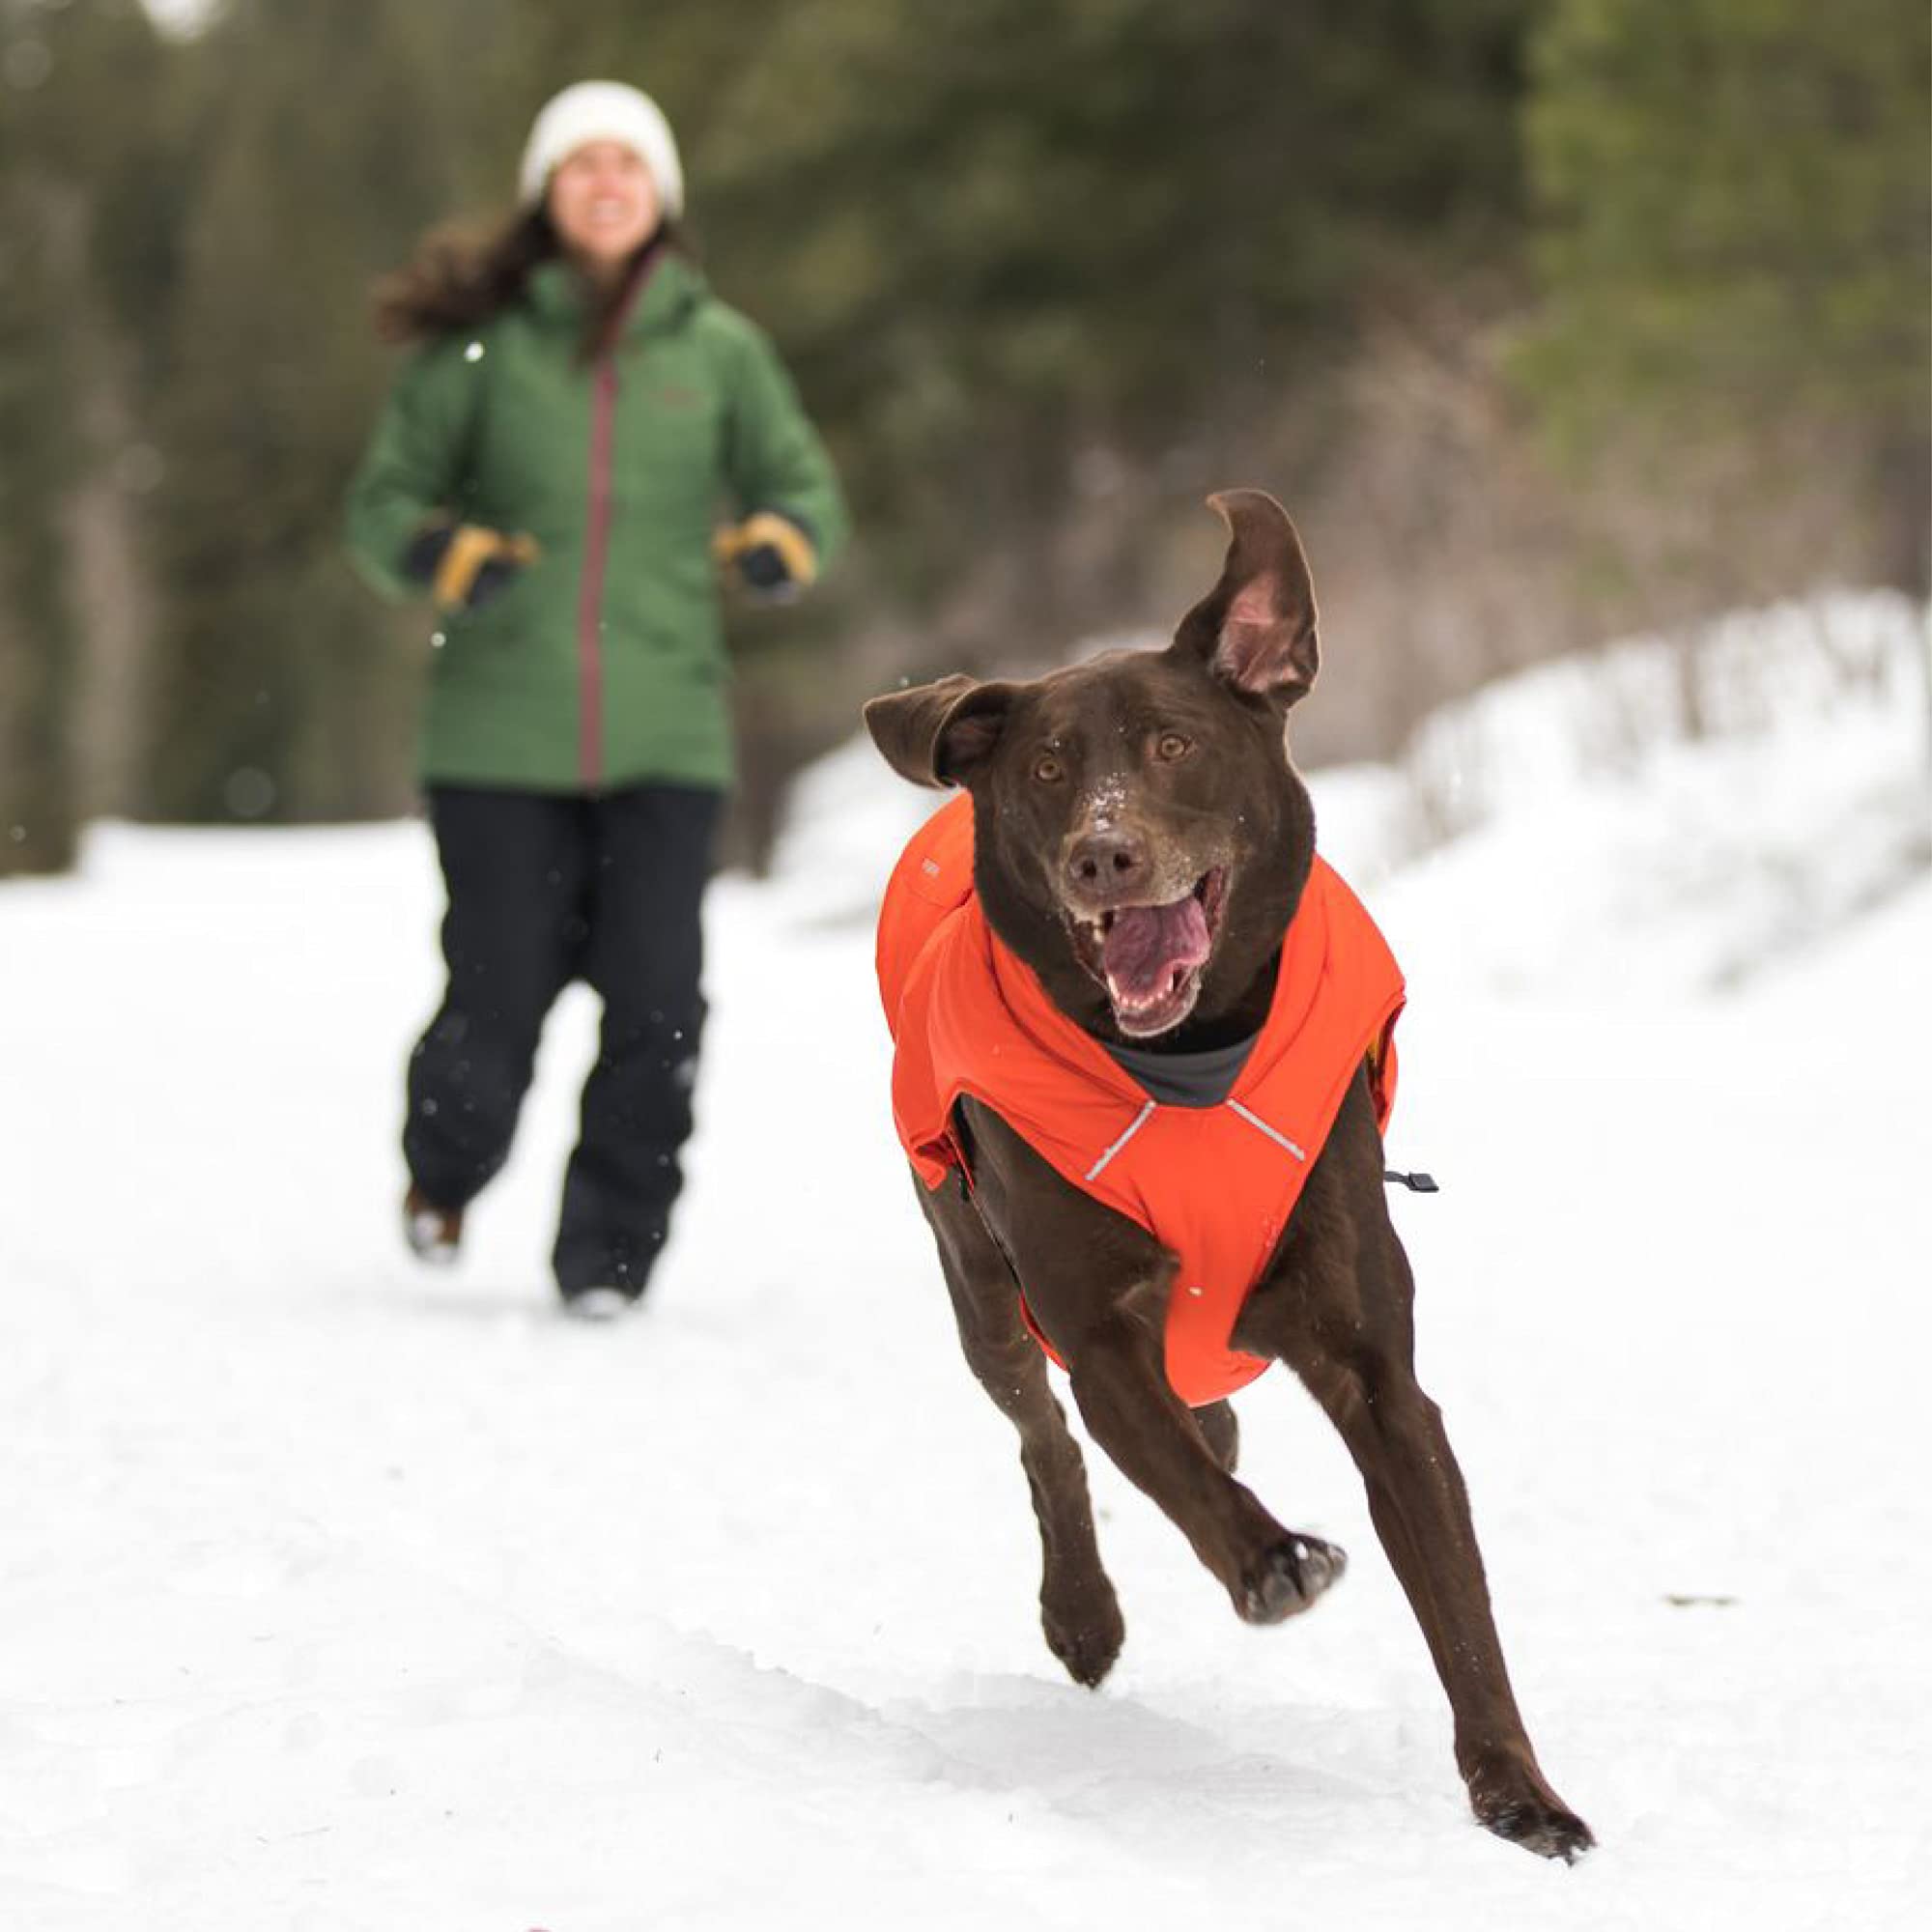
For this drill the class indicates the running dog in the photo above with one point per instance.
(1144, 1051)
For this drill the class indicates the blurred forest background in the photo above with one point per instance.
(1549, 319)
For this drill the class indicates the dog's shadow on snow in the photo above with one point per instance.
(1135, 1767)
(1118, 1759)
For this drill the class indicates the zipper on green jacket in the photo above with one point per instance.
(597, 546)
(590, 592)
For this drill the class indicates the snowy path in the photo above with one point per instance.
(336, 1596)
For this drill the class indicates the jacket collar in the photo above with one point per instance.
(673, 286)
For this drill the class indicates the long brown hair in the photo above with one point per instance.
(460, 276)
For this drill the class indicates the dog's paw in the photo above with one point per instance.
(1086, 1639)
(1546, 1830)
(1288, 1578)
(1510, 1798)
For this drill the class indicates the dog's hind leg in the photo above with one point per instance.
(1421, 1512)
(1079, 1611)
(1336, 1306)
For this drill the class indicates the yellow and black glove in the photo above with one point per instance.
(465, 565)
(774, 555)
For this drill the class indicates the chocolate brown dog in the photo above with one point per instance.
(1141, 846)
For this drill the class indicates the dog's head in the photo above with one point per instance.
(1140, 838)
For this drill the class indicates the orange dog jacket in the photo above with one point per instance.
(1215, 1185)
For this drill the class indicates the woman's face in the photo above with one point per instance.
(603, 202)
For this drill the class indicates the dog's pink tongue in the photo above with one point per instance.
(1146, 945)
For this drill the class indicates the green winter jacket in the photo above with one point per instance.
(602, 664)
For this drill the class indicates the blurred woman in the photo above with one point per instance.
(550, 467)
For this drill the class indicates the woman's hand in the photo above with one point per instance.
(465, 565)
(773, 556)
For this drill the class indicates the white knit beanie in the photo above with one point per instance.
(602, 110)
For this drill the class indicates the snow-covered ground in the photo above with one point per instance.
(337, 1595)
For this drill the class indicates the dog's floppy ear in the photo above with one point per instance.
(1256, 628)
(938, 734)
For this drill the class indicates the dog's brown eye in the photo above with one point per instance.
(1171, 745)
(1048, 769)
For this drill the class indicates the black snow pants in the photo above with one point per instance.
(547, 888)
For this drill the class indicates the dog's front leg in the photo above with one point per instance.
(1097, 1284)
(1079, 1611)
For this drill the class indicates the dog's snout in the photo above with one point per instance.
(1109, 862)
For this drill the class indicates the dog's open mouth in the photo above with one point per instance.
(1151, 958)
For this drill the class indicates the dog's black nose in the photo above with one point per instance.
(1104, 864)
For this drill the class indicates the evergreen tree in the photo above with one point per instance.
(1006, 233)
(330, 136)
(1737, 232)
(85, 93)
